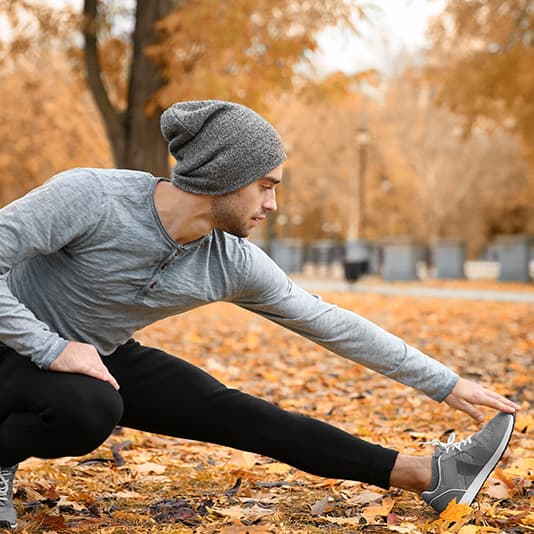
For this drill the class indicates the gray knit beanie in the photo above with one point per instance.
(219, 146)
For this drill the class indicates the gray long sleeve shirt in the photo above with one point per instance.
(85, 258)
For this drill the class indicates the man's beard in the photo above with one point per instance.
(227, 217)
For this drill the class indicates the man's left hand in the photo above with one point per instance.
(467, 394)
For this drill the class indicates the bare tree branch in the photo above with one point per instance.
(113, 119)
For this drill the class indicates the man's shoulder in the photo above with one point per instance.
(103, 179)
(239, 252)
(234, 243)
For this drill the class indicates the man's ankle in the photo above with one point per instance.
(412, 473)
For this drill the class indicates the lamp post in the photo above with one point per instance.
(362, 137)
(357, 252)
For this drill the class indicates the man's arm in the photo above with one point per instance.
(40, 223)
(268, 291)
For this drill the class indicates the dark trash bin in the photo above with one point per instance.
(355, 269)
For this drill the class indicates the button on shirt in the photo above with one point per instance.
(85, 257)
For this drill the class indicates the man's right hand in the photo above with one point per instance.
(84, 359)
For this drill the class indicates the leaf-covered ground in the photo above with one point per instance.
(141, 483)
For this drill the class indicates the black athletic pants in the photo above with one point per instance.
(48, 415)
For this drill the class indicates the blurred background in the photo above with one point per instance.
(409, 123)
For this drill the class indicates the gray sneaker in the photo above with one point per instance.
(8, 513)
(460, 469)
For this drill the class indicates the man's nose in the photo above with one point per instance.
(270, 202)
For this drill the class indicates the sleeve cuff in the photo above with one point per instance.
(45, 361)
(444, 393)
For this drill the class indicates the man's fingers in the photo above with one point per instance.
(471, 410)
(494, 400)
(467, 395)
(487, 398)
(83, 358)
(465, 406)
(100, 373)
(501, 403)
(504, 403)
(106, 376)
(112, 381)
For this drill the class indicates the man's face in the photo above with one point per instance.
(237, 213)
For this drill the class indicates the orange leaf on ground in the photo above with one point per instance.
(523, 467)
(149, 467)
(277, 468)
(364, 497)
(349, 521)
(501, 475)
(241, 512)
(380, 510)
(524, 423)
(253, 529)
(243, 460)
(456, 512)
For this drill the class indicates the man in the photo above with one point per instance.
(94, 255)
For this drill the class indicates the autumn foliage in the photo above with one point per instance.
(139, 483)
(485, 62)
(449, 141)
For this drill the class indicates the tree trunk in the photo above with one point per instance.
(145, 147)
(135, 138)
(113, 119)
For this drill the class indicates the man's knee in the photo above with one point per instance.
(87, 413)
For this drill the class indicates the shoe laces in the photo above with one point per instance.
(450, 444)
(6, 477)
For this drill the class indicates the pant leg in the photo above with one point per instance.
(48, 414)
(166, 395)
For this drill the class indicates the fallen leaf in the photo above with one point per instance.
(56, 522)
(252, 529)
(401, 528)
(238, 512)
(170, 511)
(364, 497)
(127, 494)
(497, 490)
(456, 512)
(380, 510)
(501, 475)
(66, 502)
(523, 466)
(244, 460)
(149, 467)
(476, 529)
(393, 519)
(353, 521)
(524, 423)
(322, 506)
(277, 468)
(469, 529)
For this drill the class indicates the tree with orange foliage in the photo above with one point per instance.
(243, 51)
(484, 51)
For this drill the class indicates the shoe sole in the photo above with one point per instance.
(472, 491)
